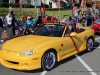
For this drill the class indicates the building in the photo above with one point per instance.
(32, 2)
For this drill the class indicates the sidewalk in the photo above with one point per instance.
(4, 35)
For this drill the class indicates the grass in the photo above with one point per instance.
(32, 12)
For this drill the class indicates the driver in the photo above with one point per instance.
(72, 26)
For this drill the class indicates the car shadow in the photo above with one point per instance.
(95, 46)
(98, 34)
(29, 71)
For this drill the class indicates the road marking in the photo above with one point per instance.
(43, 73)
(86, 66)
(97, 38)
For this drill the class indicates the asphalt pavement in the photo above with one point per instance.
(81, 64)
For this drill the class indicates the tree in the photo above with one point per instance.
(6, 1)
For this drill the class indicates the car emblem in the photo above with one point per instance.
(8, 52)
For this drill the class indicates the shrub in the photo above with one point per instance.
(14, 5)
(4, 4)
(27, 6)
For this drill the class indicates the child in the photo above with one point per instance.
(29, 25)
(83, 22)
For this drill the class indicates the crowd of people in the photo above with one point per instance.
(25, 25)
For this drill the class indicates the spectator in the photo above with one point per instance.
(13, 19)
(50, 4)
(4, 28)
(83, 22)
(89, 16)
(73, 11)
(44, 19)
(94, 15)
(76, 14)
(9, 25)
(63, 19)
(1, 26)
(80, 16)
(29, 25)
(53, 18)
(22, 29)
(42, 11)
(68, 21)
(57, 19)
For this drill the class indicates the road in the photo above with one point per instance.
(81, 64)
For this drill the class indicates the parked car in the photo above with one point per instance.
(96, 26)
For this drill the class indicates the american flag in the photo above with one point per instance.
(82, 3)
(20, 4)
(58, 3)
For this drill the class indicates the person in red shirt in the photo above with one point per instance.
(53, 18)
(44, 19)
(42, 10)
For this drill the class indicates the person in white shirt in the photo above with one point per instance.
(9, 25)
(63, 19)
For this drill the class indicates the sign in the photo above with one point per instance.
(37, 2)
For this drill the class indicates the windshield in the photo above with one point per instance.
(50, 30)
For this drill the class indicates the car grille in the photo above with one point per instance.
(12, 62)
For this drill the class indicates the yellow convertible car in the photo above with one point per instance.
(49, 44)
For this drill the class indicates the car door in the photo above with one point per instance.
(68, 48)
(80, 39)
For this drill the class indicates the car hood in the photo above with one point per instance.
(98, 25)
(28, 42)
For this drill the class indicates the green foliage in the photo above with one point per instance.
(27, 6)
(32, 12)
(14, 5)
(4, 4)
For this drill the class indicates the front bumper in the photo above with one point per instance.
(21, 65)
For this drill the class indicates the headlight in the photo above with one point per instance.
(27, 53)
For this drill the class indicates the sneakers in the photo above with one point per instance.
(4, 30)
(1, 41)
(32, 31)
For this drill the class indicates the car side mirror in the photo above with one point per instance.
(73, 34)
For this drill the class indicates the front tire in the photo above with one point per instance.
(48, 60)
(90, 44)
